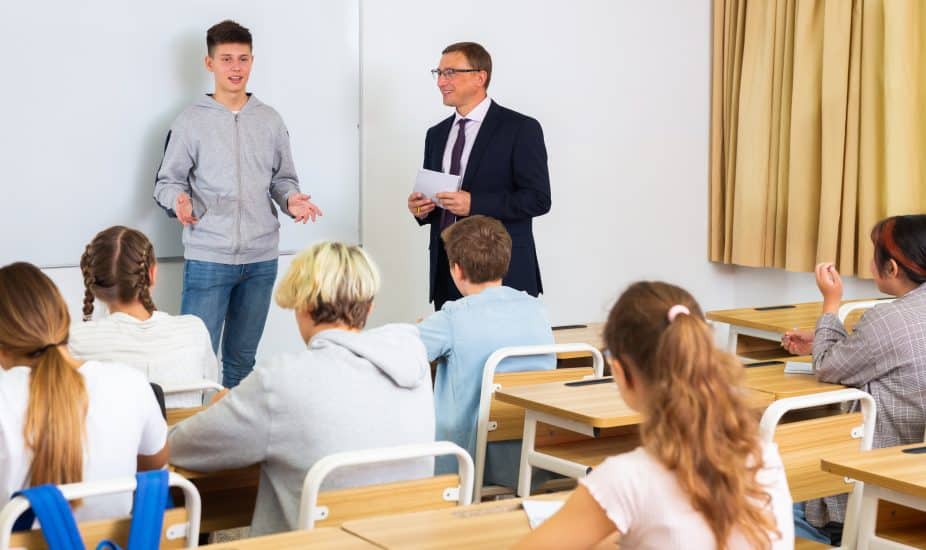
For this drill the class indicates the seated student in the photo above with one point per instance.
(349, 390)
(463, 334)
(885, 354)
(119, 269)
(64, 420)
(701, 478)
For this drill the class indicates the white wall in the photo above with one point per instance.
(622, 90)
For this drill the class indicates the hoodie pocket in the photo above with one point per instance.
(215, 229)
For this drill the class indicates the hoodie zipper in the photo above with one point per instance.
(237, 247)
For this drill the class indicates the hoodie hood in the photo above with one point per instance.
(394, 349)
(208, 101)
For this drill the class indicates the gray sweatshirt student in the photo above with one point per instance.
(231, 165)
(347, 391)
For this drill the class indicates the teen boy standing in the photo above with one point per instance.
(225, 158)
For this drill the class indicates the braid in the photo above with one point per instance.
(144, 281)
(85, 261)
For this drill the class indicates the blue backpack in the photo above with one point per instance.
(60, 530)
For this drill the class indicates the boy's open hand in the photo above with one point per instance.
(302, 208)
(184, 210)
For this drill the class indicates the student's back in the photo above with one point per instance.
(123, 421)
(348, 391)
(171, 350)
(462, 336)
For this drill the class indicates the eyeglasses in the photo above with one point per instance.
(450, 73)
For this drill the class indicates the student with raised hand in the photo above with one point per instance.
(885, 355)
(465, 332)
(119, 269)
(350, 389)
(701, 477)
(64, 420)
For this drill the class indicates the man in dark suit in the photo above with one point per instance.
(503, 160)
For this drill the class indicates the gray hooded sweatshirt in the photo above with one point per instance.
(231, 165)
(347, 391)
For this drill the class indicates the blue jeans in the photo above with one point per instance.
(236, 296)
(803, 529)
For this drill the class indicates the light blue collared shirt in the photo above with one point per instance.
(461, 336)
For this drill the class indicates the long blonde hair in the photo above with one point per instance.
(697, 422)
(34, 322)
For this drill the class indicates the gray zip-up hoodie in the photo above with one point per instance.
(231, 165)
(347, 391)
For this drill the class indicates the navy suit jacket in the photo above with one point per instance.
(507, 178)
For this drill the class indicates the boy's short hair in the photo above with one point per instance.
(227, 32)
(481, 246)
(334, 281)
(476, 55)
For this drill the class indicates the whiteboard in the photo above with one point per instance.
(90, 89)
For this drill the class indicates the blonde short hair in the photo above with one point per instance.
(333, 281)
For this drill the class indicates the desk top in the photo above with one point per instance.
(589, 334)
(597, 405)
(772, 379)
(323, 537)
(801, 316)
(497, 524)
(888, 467)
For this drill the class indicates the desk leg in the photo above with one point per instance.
(867, 517)
(525, 473)
(732, 335)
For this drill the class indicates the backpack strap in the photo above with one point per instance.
(55, 516)
(148, 510)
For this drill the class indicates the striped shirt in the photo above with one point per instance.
(171, 350)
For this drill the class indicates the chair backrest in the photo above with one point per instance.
(506, 422)
(802, 444)
(846, 309)
(181, 525)
(337, 506)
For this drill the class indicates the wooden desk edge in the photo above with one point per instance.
(593, 421)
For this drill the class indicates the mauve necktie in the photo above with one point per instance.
(447, 218)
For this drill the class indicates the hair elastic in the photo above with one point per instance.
(676, 310)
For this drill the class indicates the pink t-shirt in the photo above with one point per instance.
(644, 501)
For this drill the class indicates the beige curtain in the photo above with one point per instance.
(818, 128)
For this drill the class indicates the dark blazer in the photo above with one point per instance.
(508, 180)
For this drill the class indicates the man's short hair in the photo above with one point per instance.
(481, 246)
(476, 55)
(227, 32)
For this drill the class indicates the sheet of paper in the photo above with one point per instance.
(430, 183)
(798, 367)
(538, 511)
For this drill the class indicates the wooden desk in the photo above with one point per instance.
(589, 334)
(769, 324)
(772, 379)
(497, 524)
(587, 409)
(888, 474)
(323, 537)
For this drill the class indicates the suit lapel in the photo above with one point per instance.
(489, 125)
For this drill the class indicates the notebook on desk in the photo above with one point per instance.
(798, 367)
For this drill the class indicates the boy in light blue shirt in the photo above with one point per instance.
(463, 334)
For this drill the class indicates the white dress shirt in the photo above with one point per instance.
(475, 117)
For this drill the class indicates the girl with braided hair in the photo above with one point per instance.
(119, 270)
(701, 477)
(63, 420)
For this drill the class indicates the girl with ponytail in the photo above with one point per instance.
(62, 420)
(701, 477)
(884, 355)
(119, 269)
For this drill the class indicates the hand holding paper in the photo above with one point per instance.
(429, 183)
